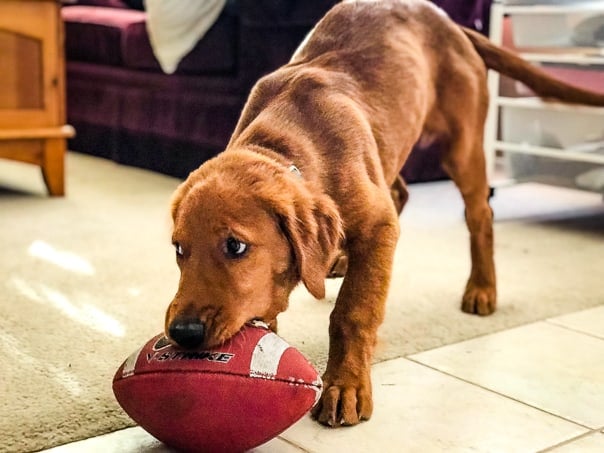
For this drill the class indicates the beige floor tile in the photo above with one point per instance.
(127, 440)
(136, 440)
(546, 366)
(418, 409)
(589, 321)
(593, 443)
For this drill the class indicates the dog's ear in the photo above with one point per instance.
(177, 197)
(313, 227)
(181, 191)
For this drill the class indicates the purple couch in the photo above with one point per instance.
(126, 109)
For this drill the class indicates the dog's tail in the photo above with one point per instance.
(512, 65)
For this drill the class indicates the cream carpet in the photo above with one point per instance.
(86, 280)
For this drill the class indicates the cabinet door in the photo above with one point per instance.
(31, 64)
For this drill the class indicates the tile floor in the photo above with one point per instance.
(538, 387)
(534, 388)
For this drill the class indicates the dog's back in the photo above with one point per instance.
(386, 66)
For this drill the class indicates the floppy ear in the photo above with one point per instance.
(182, 190)
(177, 197)
(314, 229)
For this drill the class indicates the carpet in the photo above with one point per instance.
(86, 280)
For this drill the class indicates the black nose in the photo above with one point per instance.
(188, 333)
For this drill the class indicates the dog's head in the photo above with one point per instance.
(246, 231)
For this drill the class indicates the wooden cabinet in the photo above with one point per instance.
(32, 88)
(540, 141)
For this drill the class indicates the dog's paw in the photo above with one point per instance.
(343, 405)
(479, 300)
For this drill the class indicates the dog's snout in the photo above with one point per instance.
(188, 333)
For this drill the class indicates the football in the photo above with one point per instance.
(230, 398)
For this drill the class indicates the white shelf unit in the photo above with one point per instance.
(528, 130)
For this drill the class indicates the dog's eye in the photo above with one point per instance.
(179, 250)
(234, 248)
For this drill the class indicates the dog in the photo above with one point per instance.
(310, 177)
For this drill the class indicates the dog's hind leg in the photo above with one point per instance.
(470, 177)
(465, 163)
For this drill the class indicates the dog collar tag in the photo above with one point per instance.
(293, 169)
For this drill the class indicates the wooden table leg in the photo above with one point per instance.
(53, 166)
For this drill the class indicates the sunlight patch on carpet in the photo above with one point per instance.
(86, 314)
(65, 260)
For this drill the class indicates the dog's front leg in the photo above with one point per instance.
(359, 310)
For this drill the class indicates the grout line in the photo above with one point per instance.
(293, 444)
(509, 397)
(552, 322)
(506, 329)
(498, 331)
(571, 440)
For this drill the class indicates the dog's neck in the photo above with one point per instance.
(279, 158)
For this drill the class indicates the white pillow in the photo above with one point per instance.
(175, 27)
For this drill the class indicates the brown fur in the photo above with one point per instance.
(347, 110)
